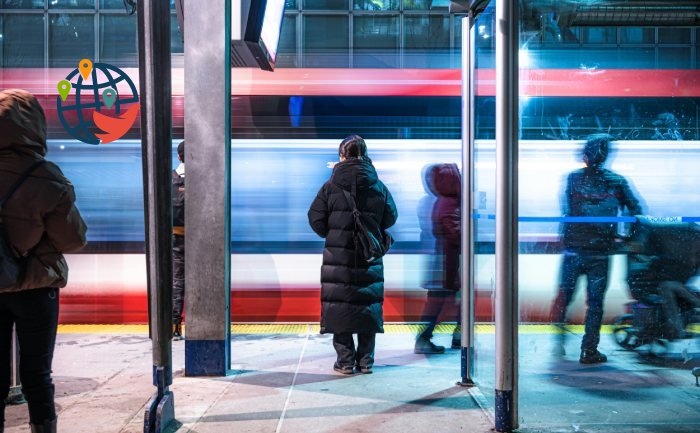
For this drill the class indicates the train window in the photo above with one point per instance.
(14, 4)
(22, 40)
(417, 5)
(73, 4)
(71, 37)
(118, 43)
(112, 4)
(326, 41)
(325, 4)
(636, 35)
(674, 35)
(291, 4)
(638, 57)
(426, 40)
(376, 5)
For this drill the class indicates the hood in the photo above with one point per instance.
(22, 122)
(363, 171)
(444, 180)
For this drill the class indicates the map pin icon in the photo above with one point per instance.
(109, 95)
(64, 87)
(85, 67)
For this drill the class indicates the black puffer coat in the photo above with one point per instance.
(352, 291)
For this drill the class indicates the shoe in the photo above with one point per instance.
(426, 347)
(46, 427)
(456, 343)
(592, 357)
(364, 370)
(343, 370)
(177, 333)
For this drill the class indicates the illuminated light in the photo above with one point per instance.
(62, 147)
(482, 29)
(524, 59)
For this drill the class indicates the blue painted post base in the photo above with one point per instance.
(206, 358)
(504, 411)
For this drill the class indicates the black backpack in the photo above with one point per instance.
(371, 241)
(11, 266)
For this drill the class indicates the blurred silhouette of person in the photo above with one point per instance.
(592, 191)
(442, 181)
(662, 258)
(178, 182)
(352, 289)
(40, 222)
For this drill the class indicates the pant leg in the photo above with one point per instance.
(6, 322)
(178, 278)
(36, 319)
(672, 292)
(345, 348)
(570, 270)
(434, 304)
(597, 274)
(365, 350)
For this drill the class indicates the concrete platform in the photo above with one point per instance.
(283, 382)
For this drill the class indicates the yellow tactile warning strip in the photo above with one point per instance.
(312, 328)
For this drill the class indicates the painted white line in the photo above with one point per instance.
(294, 381)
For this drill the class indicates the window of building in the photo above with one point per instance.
(376, 41)
(71, 38)
(22, 40)
(21, 4)
(73, 4)
(331, 50)
(426, 40)
(118, 40)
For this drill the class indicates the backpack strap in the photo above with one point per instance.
(19, 183)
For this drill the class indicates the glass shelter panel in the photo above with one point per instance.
(609, 244)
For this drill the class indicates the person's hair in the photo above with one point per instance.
(353, 147)
(181, 150)
(596, 149)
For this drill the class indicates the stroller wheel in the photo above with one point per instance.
(626, 335)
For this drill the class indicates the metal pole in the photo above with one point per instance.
(15, 395)
(156, 100)
(507, 215)
(467, 282)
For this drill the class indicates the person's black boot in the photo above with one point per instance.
(177, 332)
(46, 427)
(426, 347)
(592, 357)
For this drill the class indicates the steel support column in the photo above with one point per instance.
(467, 277)
(15, 395)
(208, 187)
(507, 33)
(156, 100)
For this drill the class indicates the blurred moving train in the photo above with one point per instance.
(287, 126)
(276, 257)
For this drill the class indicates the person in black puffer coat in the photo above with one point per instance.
(352, 290)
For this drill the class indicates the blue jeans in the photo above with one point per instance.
(34, 314)
(595, 267)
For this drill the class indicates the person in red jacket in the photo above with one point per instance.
(41, 223)
(444, 182)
